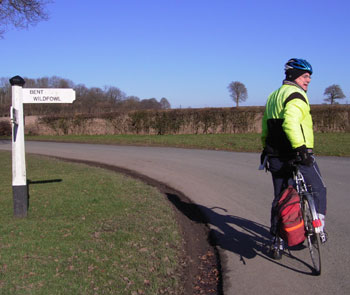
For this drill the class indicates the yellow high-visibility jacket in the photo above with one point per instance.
(287, 122)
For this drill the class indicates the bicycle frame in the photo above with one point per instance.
(304, 192)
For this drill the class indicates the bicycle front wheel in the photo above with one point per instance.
(313, 238)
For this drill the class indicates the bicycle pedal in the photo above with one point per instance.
(323, 237)
(277, 254)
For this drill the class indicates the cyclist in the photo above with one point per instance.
(287, 135)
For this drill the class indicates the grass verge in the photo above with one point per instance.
(88, 231)
(326, 144)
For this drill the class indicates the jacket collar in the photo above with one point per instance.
(286, 82)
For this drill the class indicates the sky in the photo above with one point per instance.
(187, 51)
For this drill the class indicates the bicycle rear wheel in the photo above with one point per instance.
(313, 238)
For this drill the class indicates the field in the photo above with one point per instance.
(326, 144)
(88, 231)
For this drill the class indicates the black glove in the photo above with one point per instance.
(303, 157)
(263, 161)
(262, 157)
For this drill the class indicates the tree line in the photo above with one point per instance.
(92, 100)
(239, 93)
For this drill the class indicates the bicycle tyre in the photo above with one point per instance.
(313, 238)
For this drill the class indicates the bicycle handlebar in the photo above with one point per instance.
(294, 158)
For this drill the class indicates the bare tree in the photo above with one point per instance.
(333, 92)
(5, 97)
(21, 13)
(130, 103)
(238, 92)
(150, 104)
(114, 94)
(164, 103)
(58, 82)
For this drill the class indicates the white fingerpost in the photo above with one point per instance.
(19, 97)
(19, 178)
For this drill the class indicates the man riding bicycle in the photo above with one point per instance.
(287, 136)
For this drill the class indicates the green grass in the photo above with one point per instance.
(332, 144)
(88, 231)
(326, 144)
(229, 142)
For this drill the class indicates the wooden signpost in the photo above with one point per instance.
(22, 95)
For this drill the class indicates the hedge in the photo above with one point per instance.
(326, 118)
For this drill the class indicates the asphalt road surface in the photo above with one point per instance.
(236, 198)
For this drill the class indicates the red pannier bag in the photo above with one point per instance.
(290, 221)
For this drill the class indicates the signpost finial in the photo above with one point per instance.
(17, 81)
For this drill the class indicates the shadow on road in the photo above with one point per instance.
(238, 235)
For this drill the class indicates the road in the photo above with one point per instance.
(236, 198)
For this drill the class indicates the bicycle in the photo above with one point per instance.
(311, 221)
